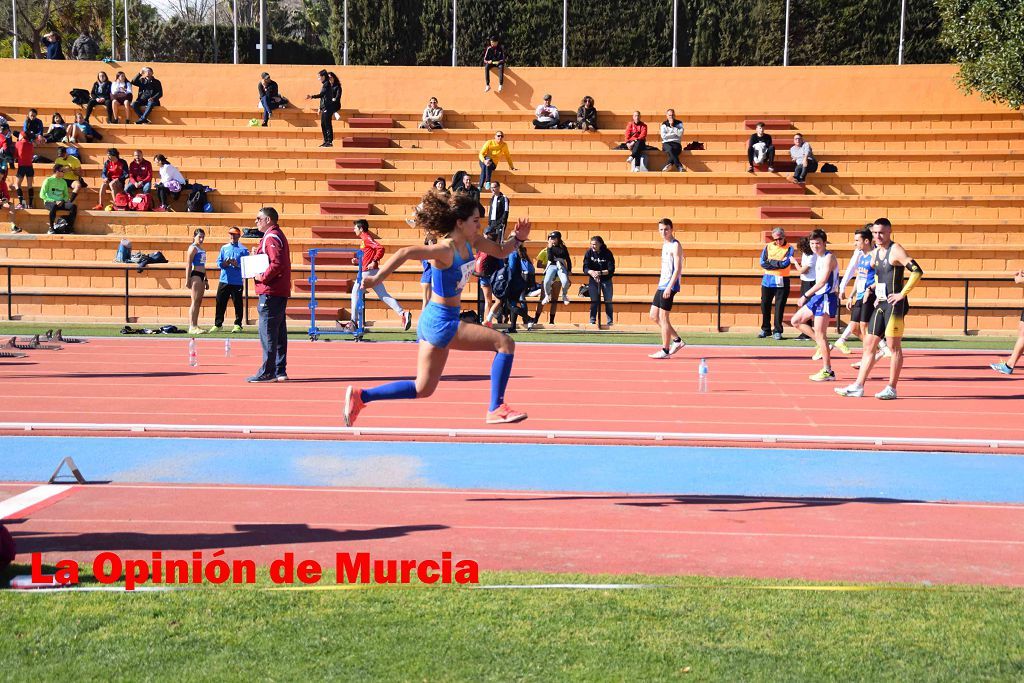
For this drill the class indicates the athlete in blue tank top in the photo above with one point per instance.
(455, 222)
(820, 303)
(195, 278)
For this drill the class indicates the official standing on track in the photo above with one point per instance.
(273, 286)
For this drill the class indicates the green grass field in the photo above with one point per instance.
(692, 629)
(557, 336)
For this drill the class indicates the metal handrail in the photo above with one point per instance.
(719, 279)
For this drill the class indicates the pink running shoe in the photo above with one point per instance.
(504, 415)
(353, 404)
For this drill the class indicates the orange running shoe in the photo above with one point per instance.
(353, 404)
(504, 415)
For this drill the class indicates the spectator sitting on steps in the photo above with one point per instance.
(57, 196)
(467, 188)
(114, 173)
(121, 94)
(803, 156)
(140, 175)
(33, 127)
(100, 94)
(171, 183)
(546, 114)
(433, 116)
(494, 56)
(270, 97)
(636, 143)
(586, 115)
(760, 150)
(671, 140)
(150, 92)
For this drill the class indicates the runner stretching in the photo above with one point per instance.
(668, 287)
(889, 262)
(455, 222)
(820, 303)
(1007, 367)
(861, 303)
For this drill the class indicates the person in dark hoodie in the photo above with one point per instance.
(100, 95)
(599, 265)
(149, 93)
(330, 102)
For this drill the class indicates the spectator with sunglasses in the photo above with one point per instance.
(488, 153)
(777, 263)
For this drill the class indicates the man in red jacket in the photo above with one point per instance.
(274, 286)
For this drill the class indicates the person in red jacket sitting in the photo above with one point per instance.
(373, 252)
(140, 175)
(636, 143)
(274, 286)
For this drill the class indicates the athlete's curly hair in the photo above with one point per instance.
(437, 213)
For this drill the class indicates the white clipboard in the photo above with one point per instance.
(254, 264)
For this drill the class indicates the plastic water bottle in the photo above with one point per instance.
(227, 348)
(702, 377)
(193, 357)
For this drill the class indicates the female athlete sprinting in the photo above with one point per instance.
(455, 222)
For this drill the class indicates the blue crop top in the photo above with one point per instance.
(451, 280)
(199, 258)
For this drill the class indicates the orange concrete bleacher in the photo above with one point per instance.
(946, 168)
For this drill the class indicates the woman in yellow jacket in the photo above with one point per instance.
(488, 153)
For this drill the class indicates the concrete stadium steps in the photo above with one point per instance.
(834, 207)
(219, 154)
(1002, 139)
(619, 232)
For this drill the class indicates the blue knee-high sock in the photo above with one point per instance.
(389, 392)
(501, 370)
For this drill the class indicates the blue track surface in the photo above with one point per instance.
(621, 469)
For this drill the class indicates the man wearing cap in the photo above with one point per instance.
(547, 114)
(230, 263)
(270, 97)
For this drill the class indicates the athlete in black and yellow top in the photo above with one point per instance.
(891, 262)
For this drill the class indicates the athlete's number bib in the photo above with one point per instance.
(880, 293)
(465, 269)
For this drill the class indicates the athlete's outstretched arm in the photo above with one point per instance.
(439, 252)
(519, 235)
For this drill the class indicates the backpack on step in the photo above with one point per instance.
(122, 201)
(141, 202)
(196, 199)
(62, 226)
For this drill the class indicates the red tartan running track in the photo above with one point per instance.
(945, 395)
(808, 539)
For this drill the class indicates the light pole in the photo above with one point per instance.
(234, 23)
(565, 34)
(455, 25)
(903, 23)
(344, 46)
(263, 33)
(785, 44)
(126, 55)
(215, 50)
(14, 25)
(675, 14)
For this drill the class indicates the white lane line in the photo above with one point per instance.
(554, 529)
(552, 496)
(15, 506)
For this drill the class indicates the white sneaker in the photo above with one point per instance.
(500, 88)
(887, 394)
(487, 185)
(674, 347)
(886, 351)
(487, 88)
(879, 355)
(854, 390)
(659, 354)
(406, 320)
(546, 299)
(565, 300)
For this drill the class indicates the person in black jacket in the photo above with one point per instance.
(330, 102)
(760, 147)
(149, 93)
(497, 210)
(599, 265)
(270, 96)
(586, 115)
(100, 94)
(556, 262)
(466, 187)
(53, 46)
(494, 56)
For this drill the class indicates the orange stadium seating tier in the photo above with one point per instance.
(946, 168)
